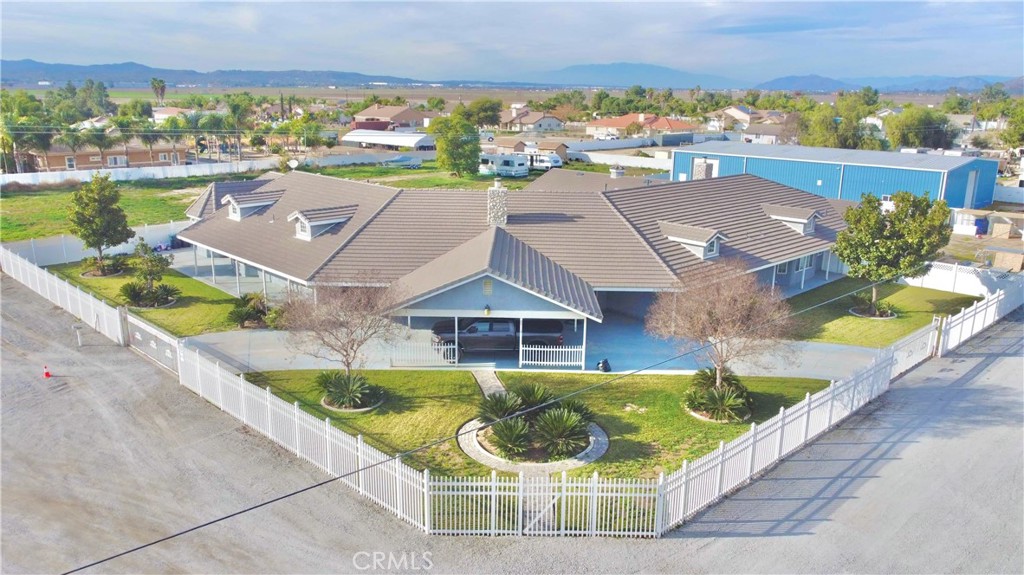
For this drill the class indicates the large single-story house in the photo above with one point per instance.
(133, 154)
(525, 120)
(561, 250)
(964, 182)
(394, 115)
(386, 140)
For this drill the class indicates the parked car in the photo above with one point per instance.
(497, 334)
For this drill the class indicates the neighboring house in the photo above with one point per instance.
(845, 174)
(548, 252)
(735, 117)
(60, 158)
(91, 123)
(161, 114)
(649, 124)
(507, 145)
(767, 134)
(524, 120)
(385, 140)
(557, 148)
(403, 116)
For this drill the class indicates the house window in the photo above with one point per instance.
(114, 161)
(803, 263)
(303, 227)
(233, 212)
(69, 162)
(163, 157)
(488, 287)
(95, 158)
(711, 249)
(886, 198)
(174, 158)
(809, 227)
(782, 269)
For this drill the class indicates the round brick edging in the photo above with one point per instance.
(323, 402)
(471, 446)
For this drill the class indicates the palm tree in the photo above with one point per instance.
(212, 124)
(159, 88)
(72, 139)
(125, 133)
(99, 139)
(190, 123)
(40, 139)
(173, 130)
(150, 137)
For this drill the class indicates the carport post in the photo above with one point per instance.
(213, 267)
(775, 268)
(455, 352)
(828, 263)
(195, 260)
(238, 284)
(263, 276)
(583, 354)
(520, 343)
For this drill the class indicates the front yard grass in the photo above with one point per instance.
(421, 407)
(200, 308)
(648, 428)
(832, 322)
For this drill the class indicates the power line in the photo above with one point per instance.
(455, 436)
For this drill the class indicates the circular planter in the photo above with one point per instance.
(323, 402)
(470, 444)
(166, 305)
(89, 274)
(708, 419)
(853, 312)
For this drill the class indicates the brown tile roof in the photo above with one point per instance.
(500, 254)
(260, 195)
(210, 200)
(777, 211)
(577, 230)
(650, 121)
(695, 234)
(731, 205)
(328, 214)
(388, 112)
(267, 239)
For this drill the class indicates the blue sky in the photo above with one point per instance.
(752, 41)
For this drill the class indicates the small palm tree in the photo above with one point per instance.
(511, 436)
(159, 87)
(173, 130)
(531, 395)
(99, 139)
(497, 406)
(347, 390)
(561, 432)
(149, 136)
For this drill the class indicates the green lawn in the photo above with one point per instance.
(603, 169)
(428, 405)
(428, 176)
(38, 212)
(832, 322)
(421, 407)
(200, 308)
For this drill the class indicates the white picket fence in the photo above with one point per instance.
(584, 506)
(423, 353)
(966, 279)
(552, 356)
(146, 173)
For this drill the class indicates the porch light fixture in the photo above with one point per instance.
(487, 310)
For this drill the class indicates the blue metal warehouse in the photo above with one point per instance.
(964, 182)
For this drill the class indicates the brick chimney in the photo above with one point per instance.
(497, 204)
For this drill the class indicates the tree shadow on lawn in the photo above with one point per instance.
(766, 405)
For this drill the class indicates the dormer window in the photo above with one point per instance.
(701, 242)
(241, 206)
(234, 213)
(800, 220)
(312, 223)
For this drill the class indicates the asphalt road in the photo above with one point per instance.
(111, 453)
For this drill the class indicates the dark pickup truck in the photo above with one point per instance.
(496, 334)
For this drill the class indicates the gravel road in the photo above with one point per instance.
(111, 453)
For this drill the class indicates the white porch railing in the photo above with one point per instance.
(552, 356)
(423, 353)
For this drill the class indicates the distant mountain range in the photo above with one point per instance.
(617, 75)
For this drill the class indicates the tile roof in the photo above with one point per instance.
(267, 239)
(500, 254)
(387, 112)
(328, 214)
(731, 205)
(837, 155)
(258, 196)
(695, 234)
(789, 212)
(650, 121)
(210, 200)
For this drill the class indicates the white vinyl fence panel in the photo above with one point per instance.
(146, 173)
(966, 279)
(551, 356)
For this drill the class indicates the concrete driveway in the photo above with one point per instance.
(111, 453)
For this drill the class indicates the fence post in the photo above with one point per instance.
(956, 273)
(831, 402)
(295, 418)
(683, 507)
(593, 505)
(270, 414)
(563, 503)
(782, 431)
(359, 463)
(398, 485)
(720, 474)
(807, 417)
(753, 450)
(327, 446)
(519, 503)
(220, 387)
(426, 501)
(659, 501)
(494, 503)
(241, 395)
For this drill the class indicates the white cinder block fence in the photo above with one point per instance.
(559, 505)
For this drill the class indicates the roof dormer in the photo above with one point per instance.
(801, 220)
(704, 243)
(311, 223)
(243, 205)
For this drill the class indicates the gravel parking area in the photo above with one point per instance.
(111, 453)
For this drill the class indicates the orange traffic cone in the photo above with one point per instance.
(46, 372)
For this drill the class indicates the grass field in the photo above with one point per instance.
(648, 429)
(29, 212)
(200, 308)
(833, 323)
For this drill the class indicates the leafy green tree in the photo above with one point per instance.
(882, 246)
(919, 127)
(993, 93)
(135, 108)
(458, 145)
(150, 265)
(481, 112)
(1013, 135)
(96, 218)
(955, 103)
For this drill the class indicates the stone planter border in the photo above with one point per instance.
(323, 402)
(471, 446)
(893, 316)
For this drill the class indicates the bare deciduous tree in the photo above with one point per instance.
(342, 320)
(724, 317)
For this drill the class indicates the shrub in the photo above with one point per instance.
(885, 309)
(725, 405)
(273, 318)
(861, 300)
(346, 390)
(511, 437)
(243, 314)
(135, 293)
(696, 399)
(704, 380)
(163, 294)
(561, 432)
(578, 407)
(531, 395)
(498, 406)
